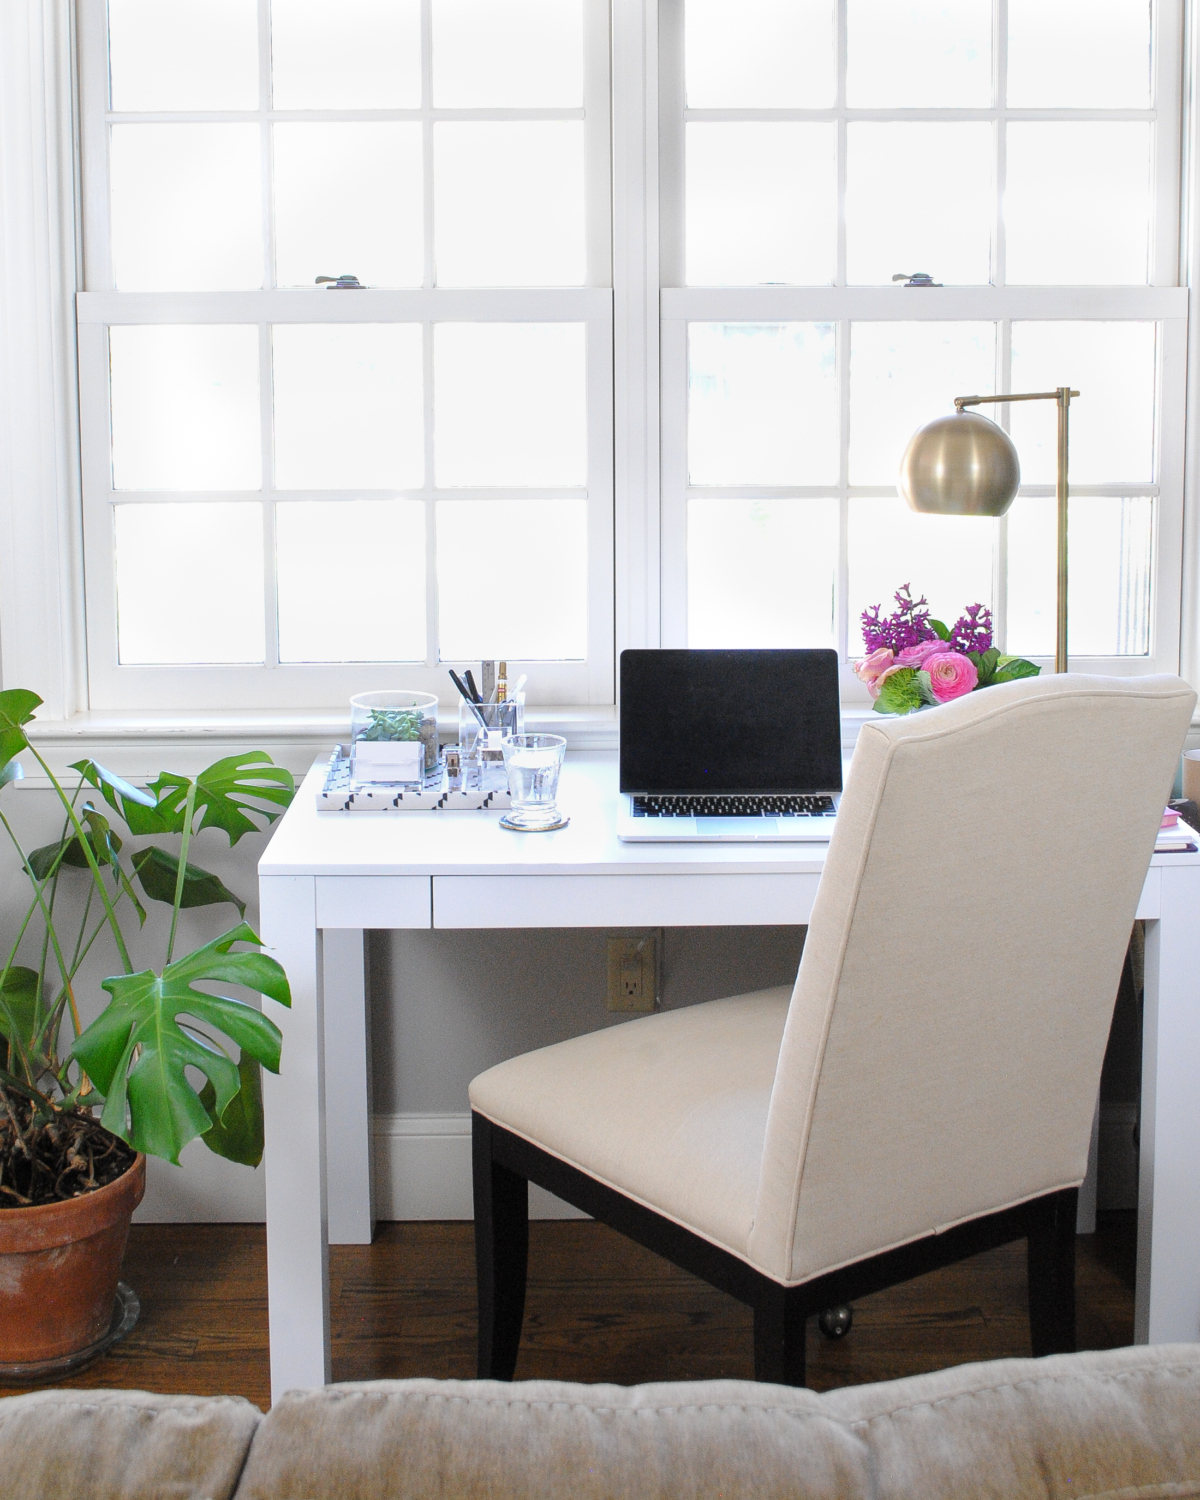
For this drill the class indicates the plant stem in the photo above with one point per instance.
(89, 855)
(62, 963)
(181, 873)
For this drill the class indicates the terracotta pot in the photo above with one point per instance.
(59, 1265)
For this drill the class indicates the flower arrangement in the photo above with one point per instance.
(914, 661)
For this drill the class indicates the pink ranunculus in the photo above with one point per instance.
(876, 668)
(951, 674)
(917, 656)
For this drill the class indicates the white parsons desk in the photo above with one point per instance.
(326, 877)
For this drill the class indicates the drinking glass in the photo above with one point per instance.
(533, 762)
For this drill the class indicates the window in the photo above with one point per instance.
(632, 380)
(1025, 156)
(296, 490)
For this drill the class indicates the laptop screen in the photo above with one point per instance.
(730, 721)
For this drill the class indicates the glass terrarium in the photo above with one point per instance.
(393, 737)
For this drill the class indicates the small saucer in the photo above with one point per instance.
(545, 827)
(126, 1309)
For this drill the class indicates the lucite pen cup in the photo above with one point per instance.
(482, 728)
(393, 736)
(533, 763)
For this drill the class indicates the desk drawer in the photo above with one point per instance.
(373, 901)
(622, 900)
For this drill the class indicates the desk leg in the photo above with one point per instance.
(348, 1082)
(1167, 1308)
(297, 1216)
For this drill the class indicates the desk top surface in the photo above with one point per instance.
(307, 842)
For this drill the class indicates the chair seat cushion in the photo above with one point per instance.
(670, 1109)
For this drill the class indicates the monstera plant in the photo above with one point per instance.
(170, 1056)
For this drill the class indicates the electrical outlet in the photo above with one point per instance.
(633, 972)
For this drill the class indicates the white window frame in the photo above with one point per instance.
(1163, 301)
(113, 685)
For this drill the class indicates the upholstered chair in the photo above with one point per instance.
(926, 1089)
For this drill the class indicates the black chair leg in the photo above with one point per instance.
(779, 1326)
(1052, 1275)
(501, 1255)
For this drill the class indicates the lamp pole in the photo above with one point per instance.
(1063, 397)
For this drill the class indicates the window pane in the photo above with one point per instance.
(762, 404)
(519, 53)
(1078, 54)
(348, 199)
(759, 54)
(1110, 568)
(351, 580)
(189, 583)
(508, 203)
(903, 375)
(348, 407)
(761, 572)
(920, 53)
(364, 55)
(761, 204)
(1077, 205)
(488, 551)
(1111, 432)
(946, 558)
(191, 54)
(918, 198)
(186, 207)
(510, 404)
(185, 408)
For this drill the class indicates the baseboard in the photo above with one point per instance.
(423, 1171)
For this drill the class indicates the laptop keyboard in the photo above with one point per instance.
(731, 806)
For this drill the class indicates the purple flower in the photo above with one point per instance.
(972, 631)
(908, 625)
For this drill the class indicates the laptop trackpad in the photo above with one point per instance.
(728, 828)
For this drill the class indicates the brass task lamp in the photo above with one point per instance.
(967, 465)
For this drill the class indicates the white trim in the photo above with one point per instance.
(924, 304)
(1189, 634)
(40, 565)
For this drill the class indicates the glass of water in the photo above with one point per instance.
(533, 762)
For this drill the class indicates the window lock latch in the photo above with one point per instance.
(342, 283)
(918, 278)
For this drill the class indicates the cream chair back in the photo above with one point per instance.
(943, 1046)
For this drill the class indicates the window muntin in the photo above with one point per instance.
(471, 382)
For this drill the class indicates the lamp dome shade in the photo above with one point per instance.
(964, 465)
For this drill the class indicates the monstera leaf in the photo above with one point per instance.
(238, 1134)
(138, 1050)
(20, 1013)
(16, 710)
(109, 783)
(229, 795)
(158, 871)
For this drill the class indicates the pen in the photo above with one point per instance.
(473, 692)
(461, 686)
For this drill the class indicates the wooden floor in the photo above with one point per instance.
(599, 1309)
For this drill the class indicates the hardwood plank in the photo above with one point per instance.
(599, 1309)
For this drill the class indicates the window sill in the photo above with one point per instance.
(140, 744)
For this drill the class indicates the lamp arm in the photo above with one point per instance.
(1063, 396)
(961, 401)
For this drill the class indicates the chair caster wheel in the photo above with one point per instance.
(836, 1322)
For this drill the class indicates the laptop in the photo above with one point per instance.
(729, 746)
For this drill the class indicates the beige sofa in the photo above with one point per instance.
(1122, 1425)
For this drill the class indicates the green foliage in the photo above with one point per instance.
(940, 629)
(134, 1058)
(137, 1051)
(393, 724)
(158, 871)
(985, 664)
(228, 796)
(238, 1133)
(901, 692)
(1010, 668)
(17, 707)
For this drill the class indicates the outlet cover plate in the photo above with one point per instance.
(633, 972)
